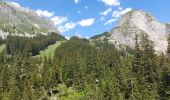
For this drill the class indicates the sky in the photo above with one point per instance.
(86, 18)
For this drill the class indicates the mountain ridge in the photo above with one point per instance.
(138, 22)
(22, 21)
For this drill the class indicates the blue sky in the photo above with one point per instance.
(86, 18)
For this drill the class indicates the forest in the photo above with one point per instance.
(83, 69)
(15, 44)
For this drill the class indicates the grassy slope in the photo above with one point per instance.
(49, 52)
(2, 47)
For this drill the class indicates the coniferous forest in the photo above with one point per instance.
(82, 69)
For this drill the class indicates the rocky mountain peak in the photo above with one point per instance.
(138, 22)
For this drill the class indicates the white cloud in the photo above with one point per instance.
(67, 37)
(116, 14)
(102, 18)
(25, 9)
(76, 1)
(120, 12)
(86, 7)
(44, 13)
(126, 10)
(58, 20)
(67, 27)
(120, 8)
(106, 12)
(79, 11)
(111, 2)
(78, 34)
(86, 37)
(15, 4)
(110, 21)
(86, 22)
(62, 24)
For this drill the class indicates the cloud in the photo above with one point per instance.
(64, 26)
(67, 37)
(67, 27)
(15, 4)
(102, 18)
(44, 13)
(117, 14)
(86, 7)
(106, 12)
(76, 1)
(86, 37)
(111, 2)
(78, 34)
(120, 8)
(126, 10)
(79, 11)
(58, 20)
(62, 23)
(120, 12)
(110, 21)
(86, 22)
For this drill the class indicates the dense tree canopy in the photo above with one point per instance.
(15, 44)
(83, 70)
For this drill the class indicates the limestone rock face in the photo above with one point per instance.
(138, 22)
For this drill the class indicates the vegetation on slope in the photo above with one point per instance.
(49, 52)
(15, 44)
(81, 71)
(103, 35)
(2, 47)
(21, 20)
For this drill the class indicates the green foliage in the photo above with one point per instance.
(15, 44)
(84, 70)
(2, 47)
(49, 52)
(105, 34)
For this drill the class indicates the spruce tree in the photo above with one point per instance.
(136, 62)
(149, 73)
(149, 58)
(5, 79)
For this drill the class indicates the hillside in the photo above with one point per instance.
(22, 21)
(50, 50)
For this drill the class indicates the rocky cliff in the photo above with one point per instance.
(138, 22)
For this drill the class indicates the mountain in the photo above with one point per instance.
(137, 22)
(22, 21)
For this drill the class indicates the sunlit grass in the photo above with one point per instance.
(49, 52)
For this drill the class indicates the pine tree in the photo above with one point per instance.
(136, 62)
(149, 82)
(5, 79)
(149, 58)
